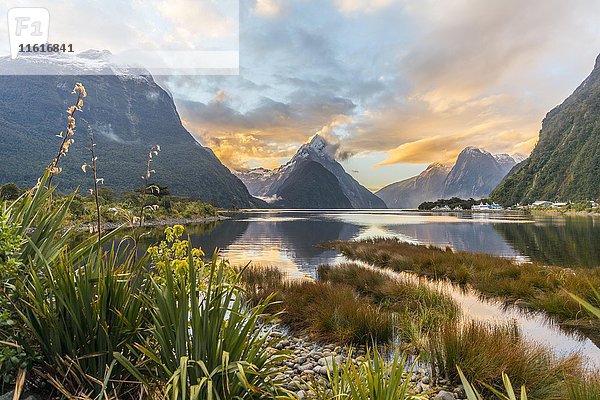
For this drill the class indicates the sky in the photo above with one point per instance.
(394, 84)
(398, 84)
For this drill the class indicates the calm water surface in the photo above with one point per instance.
(287, 239)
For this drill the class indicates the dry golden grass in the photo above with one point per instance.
(484, 352)
(534, 286)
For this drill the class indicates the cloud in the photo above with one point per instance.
(107, 131)
(417, 81)
(269, 131)
(267, 8)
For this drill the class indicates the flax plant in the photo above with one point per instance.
(206, 343)
(374, 378)
(473, 394)
(79, 314)
(67, 136)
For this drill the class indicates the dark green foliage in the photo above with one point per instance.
(10, 191)
(12, 355)
(565, 163)
(452, 203)
(312, 186)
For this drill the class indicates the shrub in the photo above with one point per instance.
(79, 314)
(205, 343)
(10, 191)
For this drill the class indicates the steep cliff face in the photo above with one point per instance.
(128, 113)
(409, 193)
(268, 183)
(476, 173)
(565, 163)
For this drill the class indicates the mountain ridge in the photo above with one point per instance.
(474, 174)
(266, 184)
(565, 163)
(128, 113)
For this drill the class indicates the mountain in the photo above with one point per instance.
(304, 188)
(565, 163)
(474, 174)
(128, 113)
(409, 193)
(268, 184)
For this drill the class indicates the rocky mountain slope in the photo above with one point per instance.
(128, 113)
(304, 189)
(268, 184)
(565, 163)
(474, 174)
(409, 193)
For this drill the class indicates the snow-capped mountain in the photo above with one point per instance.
(475, 173)
(129, 113)
(270, 184)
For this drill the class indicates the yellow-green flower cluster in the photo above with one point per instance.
(173, 252)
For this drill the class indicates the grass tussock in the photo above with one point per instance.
(535, 286)
(484, 352)
(352, 303)
(585, 388)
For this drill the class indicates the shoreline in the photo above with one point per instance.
(569, 213)
(109, 226)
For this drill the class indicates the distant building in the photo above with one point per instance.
(541, 203)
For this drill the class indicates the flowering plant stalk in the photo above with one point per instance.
(154, 150)
(67, 137)
(93, 167)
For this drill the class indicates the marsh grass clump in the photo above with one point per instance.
(330, 312)
(353, 304)
(418, 308)
(262, 281)
(484, 352)
(533, 286)
(584, 388)
(334, 312)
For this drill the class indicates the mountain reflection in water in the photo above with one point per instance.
(288, 239)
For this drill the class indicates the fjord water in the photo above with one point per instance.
(288, 239)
